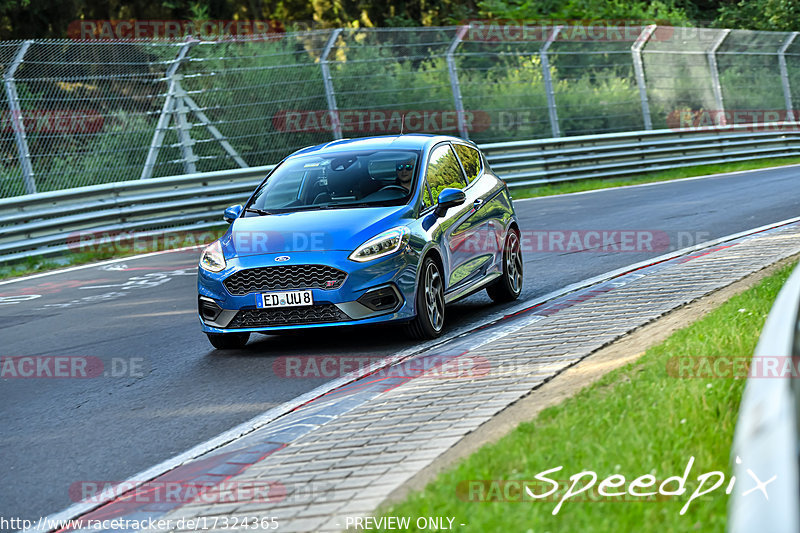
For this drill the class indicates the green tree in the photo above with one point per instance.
(666, 11)
(771, 15)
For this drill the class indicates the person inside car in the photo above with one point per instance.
(405, 171)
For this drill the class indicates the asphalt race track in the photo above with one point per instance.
(161, 388)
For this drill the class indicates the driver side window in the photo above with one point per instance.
(443, 172)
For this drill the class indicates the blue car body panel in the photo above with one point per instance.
(303, 240)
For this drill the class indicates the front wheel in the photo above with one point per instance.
(509, 286)
(228, 341)
(429, 321)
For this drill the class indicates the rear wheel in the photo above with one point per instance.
(228, 341)
(509, 286)
(429, 321)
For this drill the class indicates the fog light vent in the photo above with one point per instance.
(209, 309)
(380, 299)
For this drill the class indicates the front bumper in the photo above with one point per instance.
(373, 292)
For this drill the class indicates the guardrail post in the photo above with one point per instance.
(17, 120)
(333, 111)
(787, 94)
(715, 85)
(454, 85)
(548, 82)
(166, 111)
(638, 69)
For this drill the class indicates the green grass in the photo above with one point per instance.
(636, 420)
(30, 265)
(102, 252)
(666, 175)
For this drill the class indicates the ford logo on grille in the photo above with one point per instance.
(282, 258)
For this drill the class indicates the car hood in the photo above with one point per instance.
(317, 230)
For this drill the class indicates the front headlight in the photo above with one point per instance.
(212, 258)
(381, 245)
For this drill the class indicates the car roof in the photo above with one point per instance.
(410, 141)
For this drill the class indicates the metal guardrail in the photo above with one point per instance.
(43, 223)
(537, 162)
(766, 439)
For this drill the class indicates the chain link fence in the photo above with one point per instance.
(78, 113)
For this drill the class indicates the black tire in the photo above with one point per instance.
(509, 286)
(228, 341)
(429, 322)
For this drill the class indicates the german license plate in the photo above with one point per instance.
(271, 300)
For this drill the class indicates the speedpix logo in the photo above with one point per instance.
(614, 488)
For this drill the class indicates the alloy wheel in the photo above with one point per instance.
(514, 263)
(434, 296)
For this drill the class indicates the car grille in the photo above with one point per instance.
(313, 314)
(283, 277)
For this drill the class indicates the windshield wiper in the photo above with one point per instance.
(381, 203)
(257, 211)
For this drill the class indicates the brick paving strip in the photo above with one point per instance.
(343, 456)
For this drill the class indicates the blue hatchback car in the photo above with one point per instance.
(362, 231)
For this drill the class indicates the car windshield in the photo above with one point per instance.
(338, 179)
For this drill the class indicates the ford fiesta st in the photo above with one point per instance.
(362, 231)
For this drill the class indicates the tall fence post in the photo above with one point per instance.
(333, 111)
(787, 90)
(17, 120)
(715, 84)
(638, 69)
(166, 111)
(454, 85)
(548, 82)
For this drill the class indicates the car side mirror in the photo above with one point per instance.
(449, 198)
(232, 213)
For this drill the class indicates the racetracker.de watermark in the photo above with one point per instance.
(734, 367)
(178, 492)
(744, 120)
(71, 367)
(52, 121)
(373, 121)
(476, 241)
(592, 240)
(204, 30)
(136, 241)
(569, 30)
(622, 240)
(209, 491)
(434, 366)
